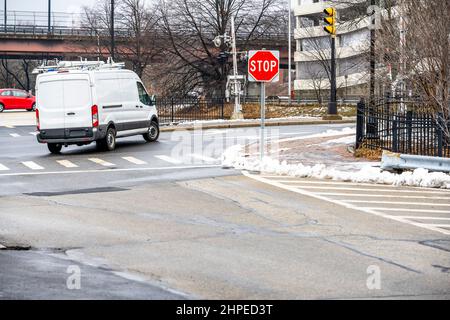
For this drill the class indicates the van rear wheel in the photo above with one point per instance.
(54, 148)
(108, 143)
(153, 132)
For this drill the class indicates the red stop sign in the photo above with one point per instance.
(263, 65)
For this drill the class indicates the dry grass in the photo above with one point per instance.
(367, 153)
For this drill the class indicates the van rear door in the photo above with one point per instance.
(50, 103)
(64, 101)
(77, 102)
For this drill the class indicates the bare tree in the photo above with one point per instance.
(17, 73)
(137, 38)
(190, 27)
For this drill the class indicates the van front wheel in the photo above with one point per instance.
(54, 148)
(153, 132)
(109, 142)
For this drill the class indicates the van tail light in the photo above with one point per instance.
(38, 124)
(94, 111)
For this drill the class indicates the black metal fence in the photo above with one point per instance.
(173, 109)
(407, 126)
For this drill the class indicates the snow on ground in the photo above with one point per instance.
(344, 140)
(235, 157)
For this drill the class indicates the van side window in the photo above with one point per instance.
(143, 95)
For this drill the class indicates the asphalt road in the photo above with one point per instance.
(164, 220)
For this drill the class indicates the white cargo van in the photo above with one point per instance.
(80, 106)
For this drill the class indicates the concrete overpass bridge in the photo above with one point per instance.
(36, 42)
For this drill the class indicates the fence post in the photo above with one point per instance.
(395, 135)
(359, 122)
(409, 116)
(172, 111)
(440, 134)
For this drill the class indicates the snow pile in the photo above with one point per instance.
(235, 158)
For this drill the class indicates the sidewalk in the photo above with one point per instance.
(20, 118)
(325, 156)
(225, 124)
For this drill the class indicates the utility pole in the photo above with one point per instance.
(237, 114)
(372, 59)
(112, 30)
(289, 52)
(6, 17)
(49, 15)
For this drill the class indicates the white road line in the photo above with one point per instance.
(398, 202)
(203, 158)
(423, 218)
(409, 210)
(366, 190)
(134, 160)
(342, 203)
(107, 170)
(3, 168)
(168, 159)
(101, 162)
(14, 135)
(32, 165)
(359, 195)
(436, 225)
(9, 126)
(283, 180)
(34, 133)
(67, 163)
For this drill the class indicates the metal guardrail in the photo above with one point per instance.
(395, 161)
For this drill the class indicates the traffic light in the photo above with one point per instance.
(223, 57)
(330, 21)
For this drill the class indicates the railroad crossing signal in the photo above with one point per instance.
(330, 21)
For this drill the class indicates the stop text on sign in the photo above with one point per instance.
(266, 66)
(263, 66)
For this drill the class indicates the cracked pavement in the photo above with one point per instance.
(231, 238)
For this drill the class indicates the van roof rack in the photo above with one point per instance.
(64, 66)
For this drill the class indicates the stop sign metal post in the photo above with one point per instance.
(263, 66)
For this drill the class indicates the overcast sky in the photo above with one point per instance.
(69, 6)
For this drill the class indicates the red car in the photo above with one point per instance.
(16, 99)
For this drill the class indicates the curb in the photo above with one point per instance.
(255, 124)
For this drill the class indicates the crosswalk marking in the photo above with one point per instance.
(14, 135)
(168, 159)
(408, 210)
(203, 158)
(32, 165)
(67, 163)
(134, 160)
(423, 218)
(398, 202)
(359, 195)
(3, 168)
(429, 218)
(301, 185)
(101, 162)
